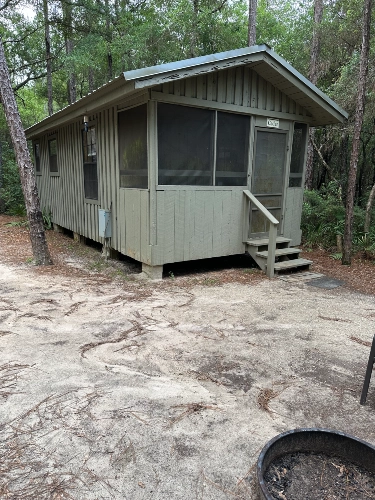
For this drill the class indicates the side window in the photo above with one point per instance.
(90, 170)
(132, 138)
(36, 149)
(52, 153)
(297, 160)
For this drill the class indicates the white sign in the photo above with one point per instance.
(273, 122)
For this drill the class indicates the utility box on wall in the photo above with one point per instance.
(105, 229)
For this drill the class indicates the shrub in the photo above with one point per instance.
(323, 218)
(11, 196)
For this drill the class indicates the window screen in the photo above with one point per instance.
(90, 170)
(132, 128)
(37, 156)
(185, 145)
(52, 152)
(232, 147)
(269, 162)
(298, 155)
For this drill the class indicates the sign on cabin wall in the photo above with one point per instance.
(273, 122)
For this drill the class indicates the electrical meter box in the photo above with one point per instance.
(105, 230)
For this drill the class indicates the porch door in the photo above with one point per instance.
(268, 178)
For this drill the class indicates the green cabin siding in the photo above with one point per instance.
(162, 225)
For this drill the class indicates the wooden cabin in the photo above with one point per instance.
(186, 160)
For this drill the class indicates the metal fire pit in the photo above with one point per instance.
(316, 441)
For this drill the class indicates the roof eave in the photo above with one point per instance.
(105, 95)
(156, 75)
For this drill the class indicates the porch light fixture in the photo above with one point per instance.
(86, 123)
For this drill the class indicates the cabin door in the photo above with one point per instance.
(268, 178)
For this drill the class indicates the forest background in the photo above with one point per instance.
(58, 51)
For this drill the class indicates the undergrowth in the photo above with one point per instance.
(323, 220)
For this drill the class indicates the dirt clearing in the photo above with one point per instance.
(113, 388)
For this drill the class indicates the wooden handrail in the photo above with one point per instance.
(261, 207)
(272, 234)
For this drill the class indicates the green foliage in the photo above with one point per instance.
(365, 243)
(47, 218)
(18, 223)
(323, 217)
(11, 196)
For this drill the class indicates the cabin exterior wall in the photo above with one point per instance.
(63, 192)
(162, 224)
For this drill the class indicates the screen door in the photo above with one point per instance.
(268, 178)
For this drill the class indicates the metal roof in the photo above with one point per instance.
(261, 58)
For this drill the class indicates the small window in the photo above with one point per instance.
(185, 145)
(132, 129)
(90, 170)
(36, 149)
(297, 160)
(52, 152)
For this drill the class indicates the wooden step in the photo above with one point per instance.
(261, 242)
(279, 252)
(291, 264)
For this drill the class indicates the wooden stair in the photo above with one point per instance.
(286, 258)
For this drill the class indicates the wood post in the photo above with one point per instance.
(271, 250)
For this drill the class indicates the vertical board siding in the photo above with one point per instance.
(241, 86)
(292, 214)
(133, 217)
(64, 194)
(198, 224)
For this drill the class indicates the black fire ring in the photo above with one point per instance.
(331, 443)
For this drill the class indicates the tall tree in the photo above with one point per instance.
(37, 234)
(358, 121)
(251, 36)
(67, 23)
(47, 38)
(313, 76)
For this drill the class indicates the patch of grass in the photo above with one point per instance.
(336, 256)
(210, 282)
(19, 223)
(98, 266)
(29, 260)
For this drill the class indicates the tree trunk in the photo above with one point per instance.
(91, 80)
(28, 182)
(47, 38)
(72, 84)
(251, 35)
(313, 76)
(360, 107)
(369, 204)
(194, 30)
(109, 40)
(69, 45)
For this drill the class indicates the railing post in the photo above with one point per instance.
(272, 234)
(271, 250)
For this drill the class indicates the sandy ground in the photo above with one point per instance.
(173, 392)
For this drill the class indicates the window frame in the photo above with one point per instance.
(53, 173)
(213, 186)
(304, 144)
(37, 163)
(94, 201)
